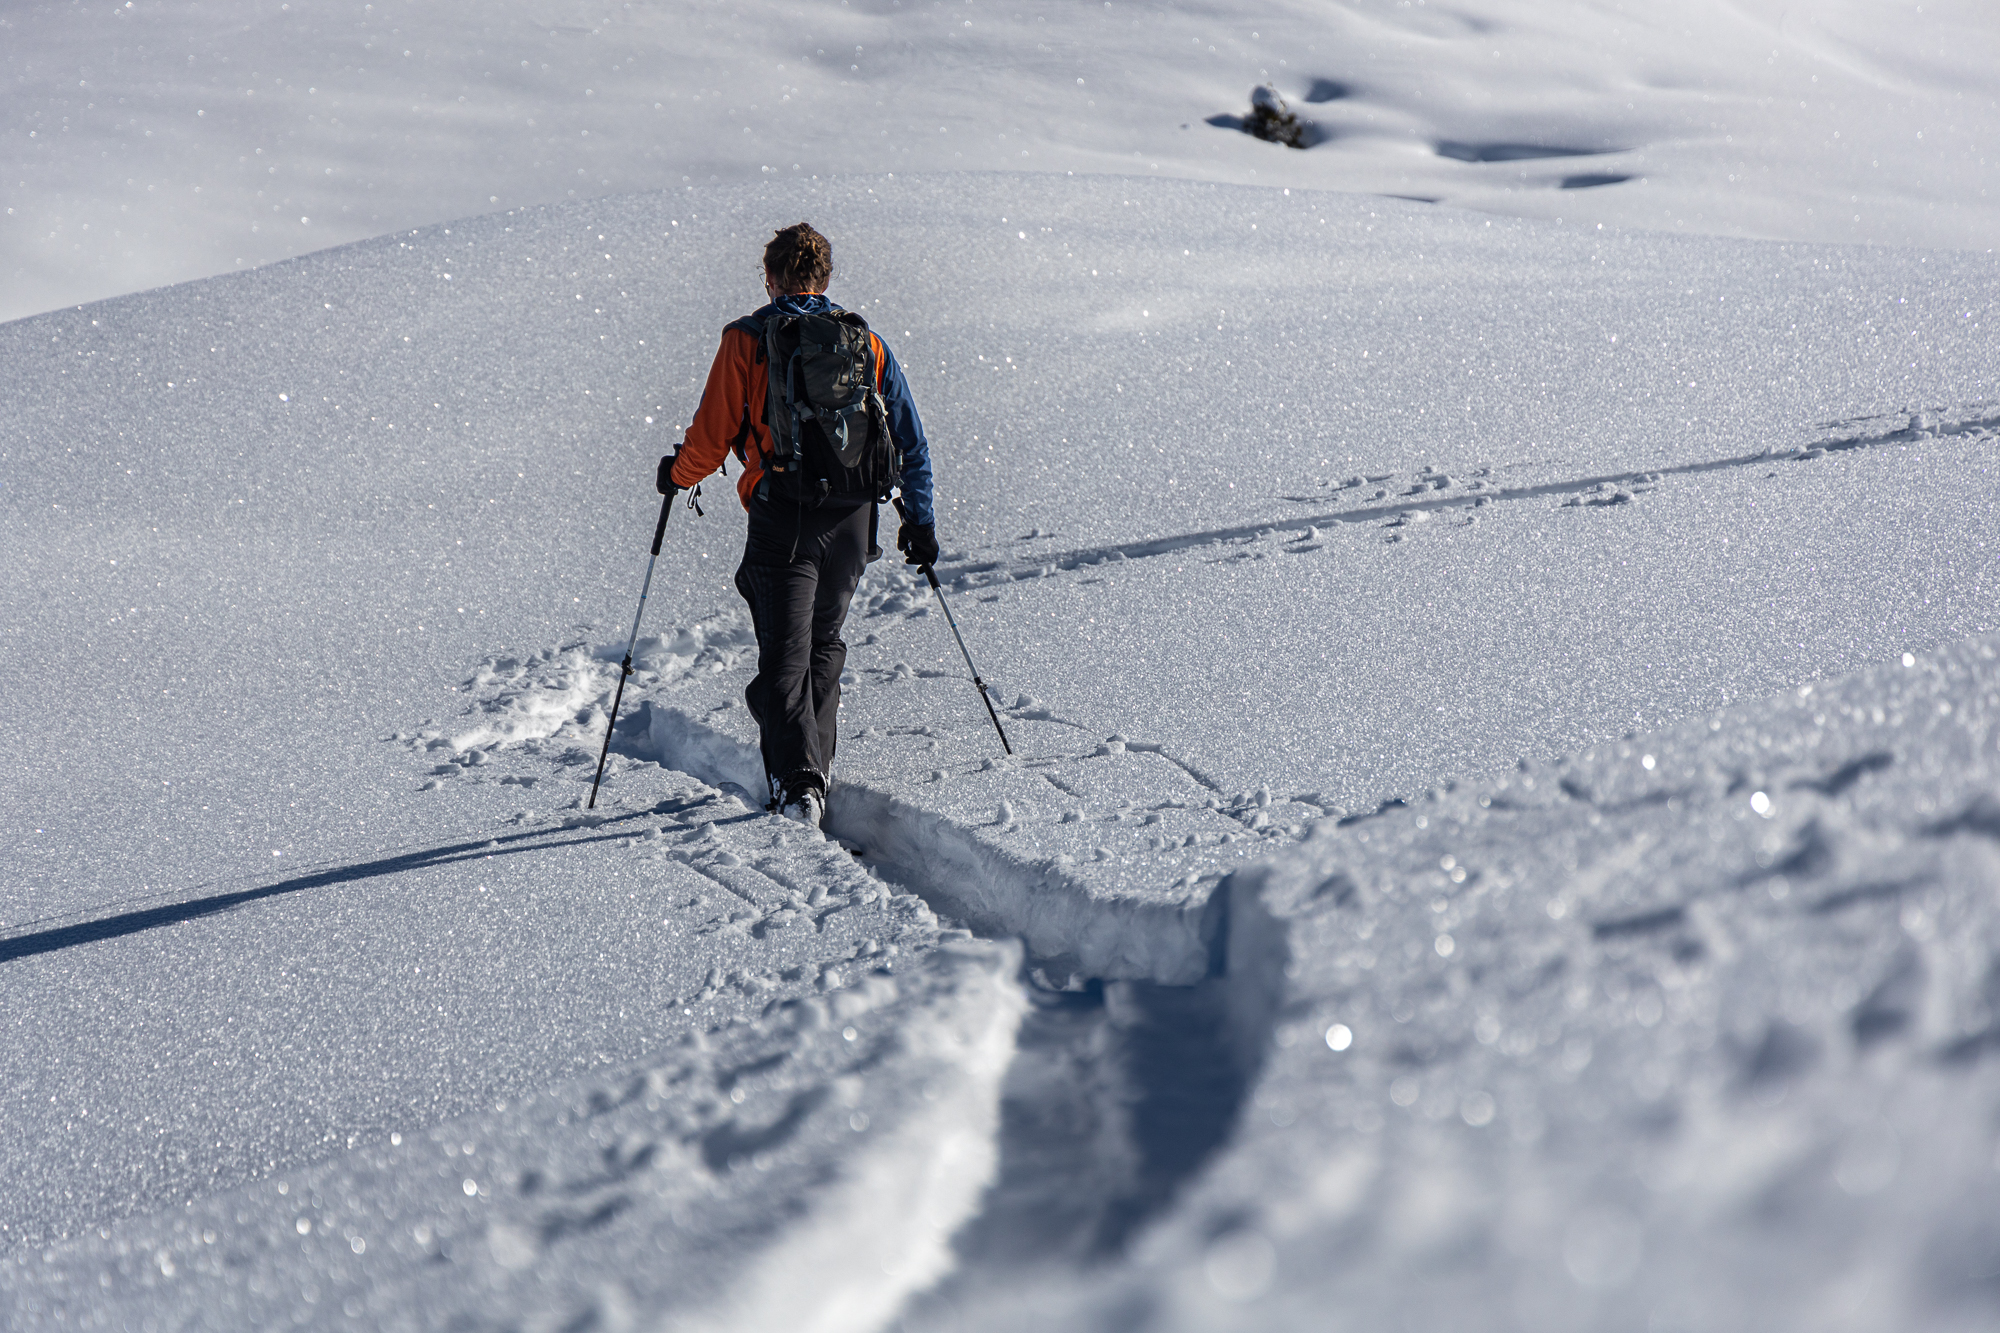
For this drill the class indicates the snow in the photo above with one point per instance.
(650, 1169)
(1687, 1031)
(163, 140)
(1500, 827)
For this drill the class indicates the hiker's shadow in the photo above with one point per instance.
(144, 918)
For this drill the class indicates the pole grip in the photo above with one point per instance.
(666, 508)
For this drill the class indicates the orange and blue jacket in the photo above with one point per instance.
(731, 416)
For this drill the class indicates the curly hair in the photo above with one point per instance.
(799, 259)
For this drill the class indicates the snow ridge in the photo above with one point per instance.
(776, 1173)
(884, 1231)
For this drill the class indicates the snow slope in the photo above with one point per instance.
(1689, 1031)
(1692, 1030)
(1302, 534)
(161, 140)
(1216, 625)
(621, 1196)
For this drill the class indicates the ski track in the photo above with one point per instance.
(1106, 860)
(1120, 929)
(640, 1190)
(1421, 494)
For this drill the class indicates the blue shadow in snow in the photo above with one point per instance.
(169, 914)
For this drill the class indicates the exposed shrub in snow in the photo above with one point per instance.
(1271, 119)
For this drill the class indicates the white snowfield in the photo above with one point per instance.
(1503, 819)
(1693, 1030)
(329, 566)
(161, 140)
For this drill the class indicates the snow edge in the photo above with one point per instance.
(887, 1227)
(1055, 913)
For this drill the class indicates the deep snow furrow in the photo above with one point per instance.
(1111, 865)
(1120, 1091)
(1066, 925)
(1118, 1097)
(1120, 1087)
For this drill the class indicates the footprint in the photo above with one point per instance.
(1643, 923)
(1838, 781)
(1980, 816)
(732, 1141)
(1893, 1004)
(1784, 1053)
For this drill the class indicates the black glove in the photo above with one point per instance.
(665, 481)
(918, 543)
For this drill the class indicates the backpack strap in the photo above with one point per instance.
(752, 324)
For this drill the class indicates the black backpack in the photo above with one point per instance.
(829, 426)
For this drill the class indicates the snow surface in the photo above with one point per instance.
(647, 1174)
(159, 140)
(1690, 1031)
(1338, 563)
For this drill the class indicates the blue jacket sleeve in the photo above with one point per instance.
(908, 432)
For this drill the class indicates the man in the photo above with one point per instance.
(812, 510)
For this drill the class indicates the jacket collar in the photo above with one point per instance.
(800, 303)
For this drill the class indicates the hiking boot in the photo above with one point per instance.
(804, 800)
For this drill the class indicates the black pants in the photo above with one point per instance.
(799, 570)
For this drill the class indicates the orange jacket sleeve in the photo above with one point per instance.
(732, 401)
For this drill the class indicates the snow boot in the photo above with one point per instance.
(804, 799)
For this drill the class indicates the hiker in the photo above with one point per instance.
(818, 411)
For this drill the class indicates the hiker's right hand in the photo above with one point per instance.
(918, 543)
(665, 480)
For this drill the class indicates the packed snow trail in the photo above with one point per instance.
(779, 1173)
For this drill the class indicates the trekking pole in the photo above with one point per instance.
(952, 621)
(625, 667)
(984, 698)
